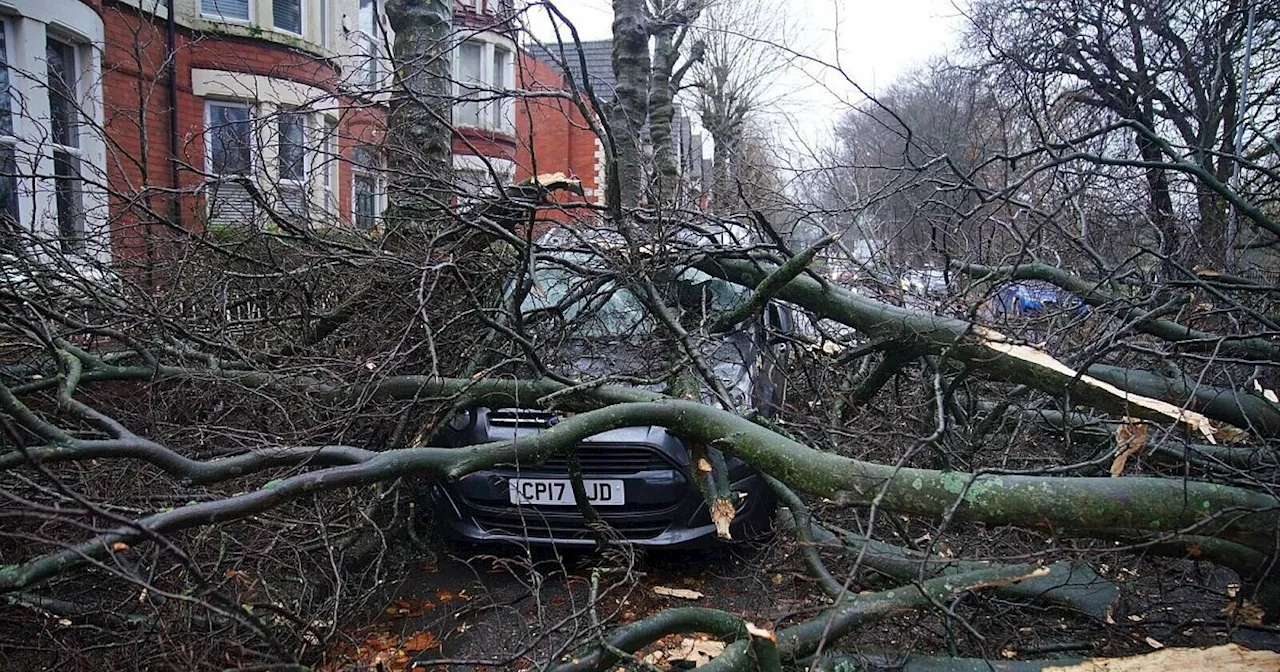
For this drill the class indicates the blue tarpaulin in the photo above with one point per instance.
(1032, 299)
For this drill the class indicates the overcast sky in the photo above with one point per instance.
(873, 40)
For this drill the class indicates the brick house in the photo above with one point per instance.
(127, 119)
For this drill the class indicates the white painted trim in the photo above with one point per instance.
(30, 23)
(489, 44)
(261, 88)
(473, 162)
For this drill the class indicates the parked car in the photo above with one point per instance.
(637, 478)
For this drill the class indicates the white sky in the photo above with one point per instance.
(873, 41)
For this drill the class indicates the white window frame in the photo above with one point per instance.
(251, 11)
(379, 185)
(254, 151)
(494, 114)
(329, 168)
(302, 17)
(255, 148)
(326, 23)
(367, 48)
(305, 117)
(73, 241)
(10, 140)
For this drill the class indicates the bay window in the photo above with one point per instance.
(482, 74)
(52, 150)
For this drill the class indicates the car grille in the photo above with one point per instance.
(612, 459)
(539, 523)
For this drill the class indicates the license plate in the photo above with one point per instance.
(559, 492)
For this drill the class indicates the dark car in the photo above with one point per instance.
(637, 478)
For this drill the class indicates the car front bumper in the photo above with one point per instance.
(663, 510)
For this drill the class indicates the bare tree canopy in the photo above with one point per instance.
(989, 385)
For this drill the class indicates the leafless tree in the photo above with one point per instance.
(237, 443)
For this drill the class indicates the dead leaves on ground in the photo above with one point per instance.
(402, 608)
(379, 650)
(675, 652)
(1131, 436)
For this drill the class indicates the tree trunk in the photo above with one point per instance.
(419, 135)
(630, 111)
(661, 113)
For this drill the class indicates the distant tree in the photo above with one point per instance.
(1170, 72)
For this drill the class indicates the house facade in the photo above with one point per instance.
(129, 120)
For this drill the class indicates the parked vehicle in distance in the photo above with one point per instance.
(637, 478)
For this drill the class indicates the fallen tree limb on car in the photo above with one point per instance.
(1070, 504)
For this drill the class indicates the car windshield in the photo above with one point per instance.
(603, 309)
(597, 311)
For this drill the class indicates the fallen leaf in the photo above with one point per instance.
(755, 631)
(119, 546)
(703, 465)
(443, 595)
(421, 642)
(1244, 611)
(682, 593)
(1151, 642)
(687, 650)
(1131, 436)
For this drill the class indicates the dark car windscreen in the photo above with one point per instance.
(598, 310)
(607, 311)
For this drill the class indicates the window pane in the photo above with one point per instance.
(367, 23)
(230, 137)
(6, 118)
(61, 59)
(325, 20)
(497, 108)
(370, 65)
(364, 195)
(288, 15)
(66, 172)
(227, 9)
(8, 184)
(331, 166)
(365, 201)
(467, 111)
(293, 150)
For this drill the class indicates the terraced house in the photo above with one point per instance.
(128, 120)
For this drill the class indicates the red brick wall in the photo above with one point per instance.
(136, 117)
(552, 135)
